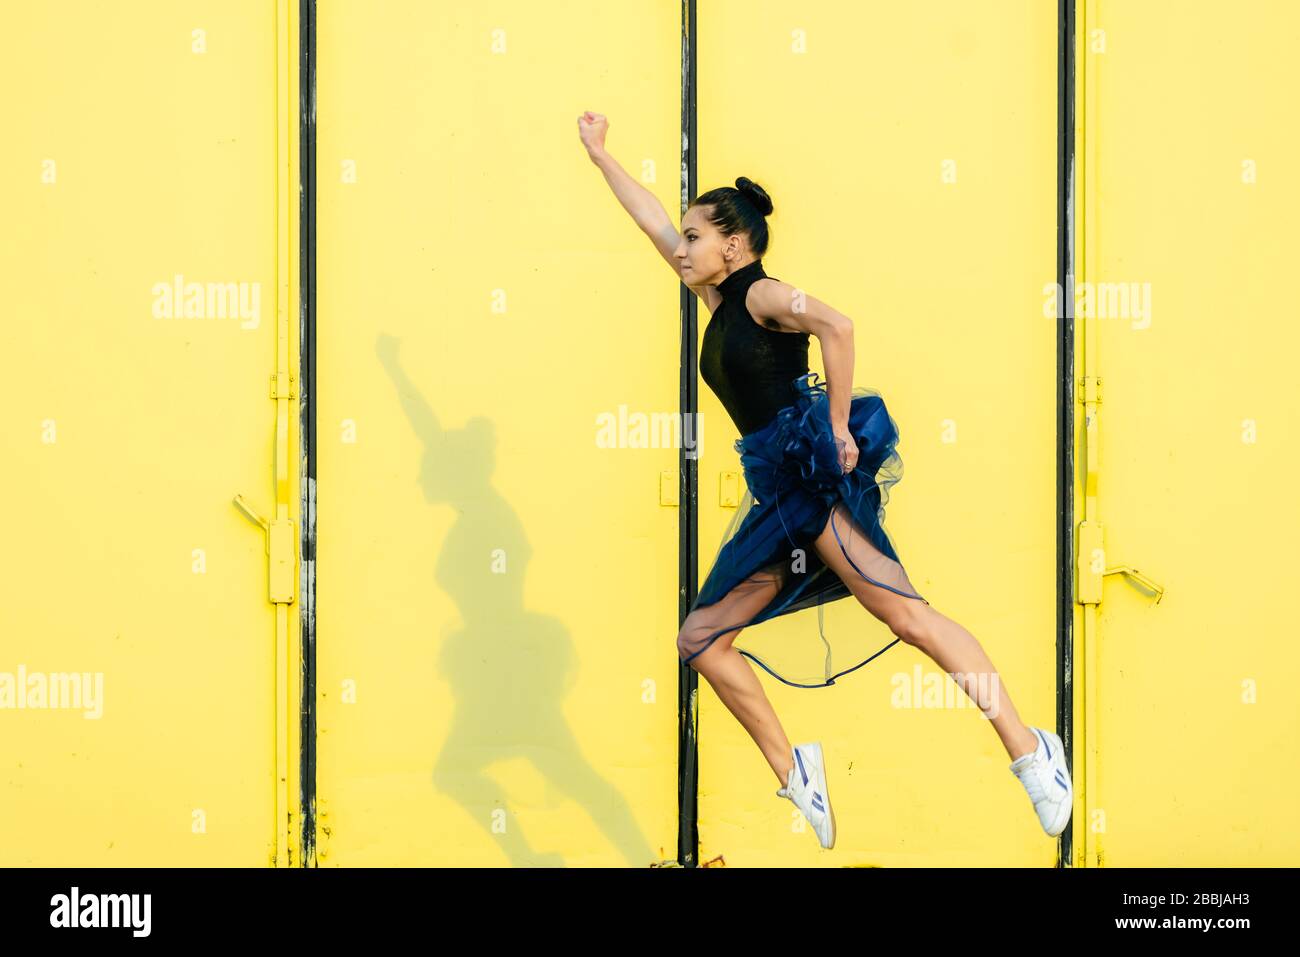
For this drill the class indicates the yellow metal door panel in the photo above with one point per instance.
(1186, 315)
(894, 140)
(146, 260)
(497, 678)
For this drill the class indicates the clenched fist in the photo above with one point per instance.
(591, 130)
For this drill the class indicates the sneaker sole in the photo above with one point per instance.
(1058, 825)
(821, 786)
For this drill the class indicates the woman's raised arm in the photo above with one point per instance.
(641, 204)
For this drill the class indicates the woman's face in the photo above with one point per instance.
(704, 253)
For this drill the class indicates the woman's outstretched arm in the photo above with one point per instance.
(641, 204)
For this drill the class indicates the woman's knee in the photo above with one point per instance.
(685, 641)
(697, 633)
(909, 619)
(691, 637)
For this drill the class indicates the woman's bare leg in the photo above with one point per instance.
(945, 641)
(732, 677)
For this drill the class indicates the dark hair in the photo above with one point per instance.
(740, 210)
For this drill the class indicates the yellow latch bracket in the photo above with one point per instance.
(668, 487)
(1090, 568)
(1135, 574)
(281, 546)
(729, 489)
(241, 503)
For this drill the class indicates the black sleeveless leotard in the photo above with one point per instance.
(749, 367)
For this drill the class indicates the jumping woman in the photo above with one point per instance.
(818, 460)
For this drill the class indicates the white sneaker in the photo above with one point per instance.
(1046, 777)
(806, 787)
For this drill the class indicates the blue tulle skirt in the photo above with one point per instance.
(767, 566)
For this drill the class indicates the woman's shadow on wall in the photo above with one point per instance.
(509, 669)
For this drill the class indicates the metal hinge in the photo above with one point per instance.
(324, 828)
(1090, 389)
(728, 488)
(284, 385)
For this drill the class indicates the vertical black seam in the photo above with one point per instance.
(1065, 200)
(307, 417)
(687, 512)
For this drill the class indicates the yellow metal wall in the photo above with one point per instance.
(497, 677)
(141, 154)
(910, 152)
(497, 585)
(1189, 198)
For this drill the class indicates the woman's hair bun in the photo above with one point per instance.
(755, 194)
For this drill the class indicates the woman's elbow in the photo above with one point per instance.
(839, 327)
